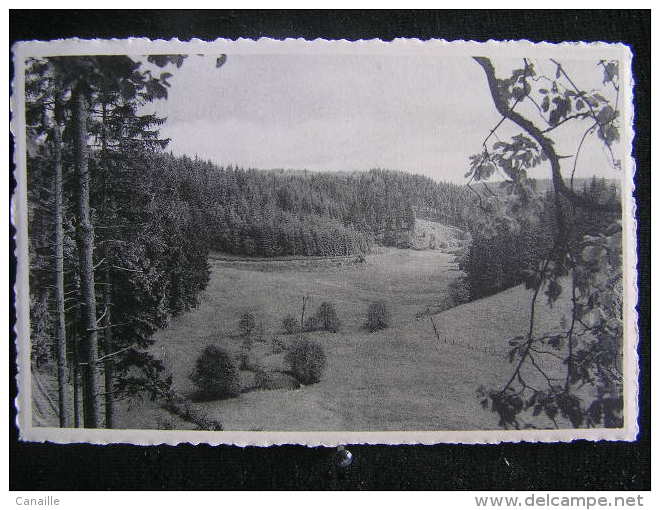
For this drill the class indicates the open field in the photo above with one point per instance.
(401, 378)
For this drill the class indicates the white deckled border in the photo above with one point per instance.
(433, 47)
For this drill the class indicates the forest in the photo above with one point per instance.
(278, 212)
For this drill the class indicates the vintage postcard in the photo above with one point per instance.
(260, 242)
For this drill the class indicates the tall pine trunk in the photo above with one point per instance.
(76, 377)
(108, 363)
(108, 341)
(86, 252)
(60, 331)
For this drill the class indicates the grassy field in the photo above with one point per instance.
(401, 378)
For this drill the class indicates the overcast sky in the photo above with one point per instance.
(417, 114)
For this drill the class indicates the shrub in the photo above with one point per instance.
(215, 374)
(306, 360)
(378, 316)
(290, 324)
(277, 345)
(311, 323)
(327, 317)
(247, 324)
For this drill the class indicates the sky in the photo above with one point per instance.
(418, 114)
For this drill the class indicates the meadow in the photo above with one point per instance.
(400, 378)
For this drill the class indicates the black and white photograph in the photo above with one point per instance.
(268, 242)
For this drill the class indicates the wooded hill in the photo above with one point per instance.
(274, 212)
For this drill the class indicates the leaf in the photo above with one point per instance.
(545, 105)
(164, 77)
(163, 60)
(609, 134)
(159, 60)
(600, 98)
(610, 71)
(579, 104)
(606, 114)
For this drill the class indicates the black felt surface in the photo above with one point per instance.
(580, 465)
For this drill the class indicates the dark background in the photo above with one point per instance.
(579, 465)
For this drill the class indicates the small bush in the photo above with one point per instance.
(306, 360)
(216, 374)
(277, 345)
(290, 325)
(327, 317)
(247, 324)
(378, 316)
(311, 323)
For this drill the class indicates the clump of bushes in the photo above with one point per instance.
(325, 319)
(306, 360)
(378, 316)
(290, 324)
(216, 374)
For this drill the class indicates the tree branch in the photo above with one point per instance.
(546, 144)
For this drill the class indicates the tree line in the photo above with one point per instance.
(508, 245)
(273, 213)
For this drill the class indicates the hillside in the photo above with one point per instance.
(401, 378)
(430, 235)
